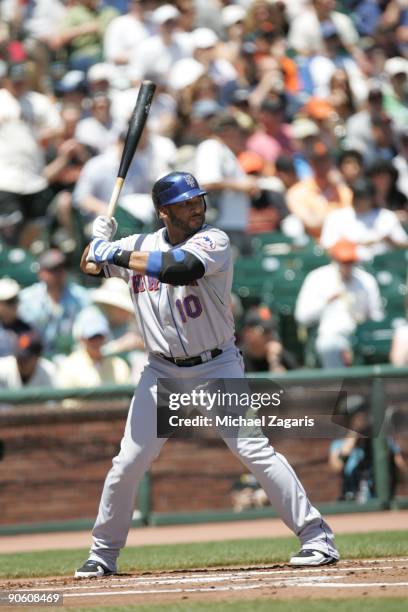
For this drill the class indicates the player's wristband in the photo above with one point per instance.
(122, 258)
(154, 264)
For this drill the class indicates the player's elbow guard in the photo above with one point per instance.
(175, 267)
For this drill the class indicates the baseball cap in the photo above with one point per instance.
(304, 128)
(205, 108)
(318, 108)
(9, 289)
(90, 323)
(73, 80)
(53, 258)
(18, 72)
(273, 104)
(113, 292)
(232, 14)
(29, 344)
(251, 161)
(260, 317)
(362, 188)
(204, 38)
(100, 72)
(396, 65)
(344, 251)
(164, 13)
(185, 72)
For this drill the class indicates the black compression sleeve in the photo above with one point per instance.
(180, 268)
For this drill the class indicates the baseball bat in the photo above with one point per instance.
(136, 125)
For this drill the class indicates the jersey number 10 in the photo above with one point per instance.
(190, 306)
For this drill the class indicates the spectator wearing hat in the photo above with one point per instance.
(52, 304)
(372, 229)
(81, 32)
(337, 298)
(312, 199)
(268, 207)
(87, 366)
(261, 347)
(232, 20)
(273, 136)
(11, 325)
(396, 93)
(218, 171)
(160, 52)
(27, 368)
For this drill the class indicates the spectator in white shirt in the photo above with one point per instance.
(374, 230)
(98, 132)
(27, 368)
(124, 35)
(160, 52)
(337, 298)
(218, 171)
(153, 159)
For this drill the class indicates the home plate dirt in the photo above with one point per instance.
(373, 577)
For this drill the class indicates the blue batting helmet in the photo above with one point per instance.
(174, 188)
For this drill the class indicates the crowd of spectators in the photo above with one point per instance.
(292, 114)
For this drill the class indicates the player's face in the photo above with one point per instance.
(186, 217)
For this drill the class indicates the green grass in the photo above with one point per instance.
(203, 554)
(392, 604)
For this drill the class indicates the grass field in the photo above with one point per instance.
(202, 555)
(395, 604)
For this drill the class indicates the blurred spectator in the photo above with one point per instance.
(160, 52)
(401, 162)
(273, 137)
(87, 366)
(52, 304)
(113, 298)
(81, 32)
(374, 230)
(352, 457)
(306, 36)
(217, 169)
(65, 157)
(71, 90)
(312, 199)
(232, 19)
(95, 184)
(247, 493)
(268, 207)
(305, 134)
(98, 131)
(261, 348)
(396, 94)
(399, 346)
(384, 176)
(359, 133)
(336, 298)
(351, 166)
(11, 325)
(124, 35)
(27, 368)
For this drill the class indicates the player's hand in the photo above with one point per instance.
(101, 251)
(104, 227)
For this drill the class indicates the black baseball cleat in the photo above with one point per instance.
(311, 558)
(93, 569)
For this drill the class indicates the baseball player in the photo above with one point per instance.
(180, 282)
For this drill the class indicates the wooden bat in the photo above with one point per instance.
(136, 124)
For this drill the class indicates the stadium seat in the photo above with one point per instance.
(18, 264)
(395, 262)
(372, 341)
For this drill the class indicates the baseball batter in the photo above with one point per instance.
(180, 282)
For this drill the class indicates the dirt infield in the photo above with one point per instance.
(361, 578)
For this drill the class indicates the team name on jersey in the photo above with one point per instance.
(142, 283)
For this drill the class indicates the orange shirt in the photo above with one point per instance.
(307, 201)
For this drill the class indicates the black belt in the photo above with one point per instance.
(188, 362)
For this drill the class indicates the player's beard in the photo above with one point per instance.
(185, 226)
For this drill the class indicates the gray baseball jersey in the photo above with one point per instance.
(185, 320)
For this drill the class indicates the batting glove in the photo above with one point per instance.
(104, 227)
(101, 251)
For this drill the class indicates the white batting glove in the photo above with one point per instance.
(104, 227)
